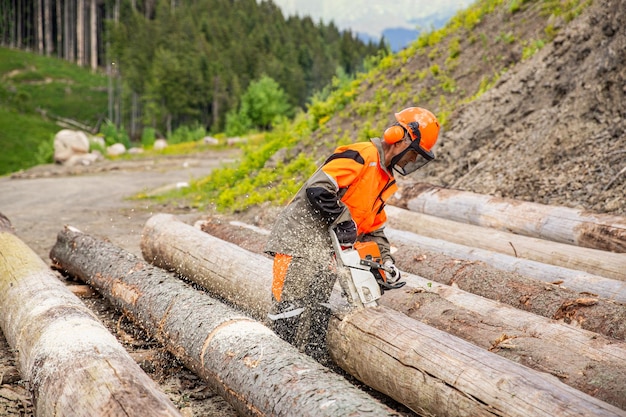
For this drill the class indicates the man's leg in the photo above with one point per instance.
(288, 297)
(299, 288)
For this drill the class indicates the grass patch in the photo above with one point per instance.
(35, 91)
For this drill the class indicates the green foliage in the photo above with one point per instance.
(236, 187)
(454, 49)
(506, 37)
(531, 48)
(516, 5)
(33, 84)
(186, 134)
(568, 9)
(263, 103)
(185, 64)
(112, 134)
(45, 152)
(148, 136)
(331, 100)
(36, 90)
(21, 137)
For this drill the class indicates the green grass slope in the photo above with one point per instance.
(36, 92)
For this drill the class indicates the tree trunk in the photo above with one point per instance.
(19, 24)
(242, 360)
(80, 32)
(559, 224)
(59, 37)
(74, 365)
(606, 264)
(419, 366)
(70, 39)
(38, 21)
(579, 281)
(93, 36)
(582, 359)
(413, 352)
(47, 12)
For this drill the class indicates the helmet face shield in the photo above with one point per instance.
(411, 159)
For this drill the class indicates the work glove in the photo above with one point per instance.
(346, 232)
(392, 272)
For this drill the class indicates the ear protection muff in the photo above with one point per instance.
(394, 134)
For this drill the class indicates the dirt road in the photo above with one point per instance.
(94, 199)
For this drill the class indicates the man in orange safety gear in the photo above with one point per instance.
(348, 192)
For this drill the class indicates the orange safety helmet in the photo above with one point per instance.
(422, 128)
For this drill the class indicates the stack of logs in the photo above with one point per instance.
(510, 309)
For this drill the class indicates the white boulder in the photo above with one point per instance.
(116, 149)
(68, 143)
(160, 144)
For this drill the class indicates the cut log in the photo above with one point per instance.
(74, 365)
(584, 309)
(242, 360)
(579, 281)
(419, 366)
(559, 224)
(582, 359)
(606, 264)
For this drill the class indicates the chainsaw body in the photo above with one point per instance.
(361, 273)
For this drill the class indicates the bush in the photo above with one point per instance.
(148, 136)
(113, 135)
(261, 105)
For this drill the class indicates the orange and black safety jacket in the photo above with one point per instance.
(353, 183)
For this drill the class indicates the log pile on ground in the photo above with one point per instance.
(558, 224)
(492, 323)
(419, 362)
(57, 335)
(242, 360)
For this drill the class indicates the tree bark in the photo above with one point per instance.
(93, 35)
(47, 10)
(582, 359)
(407, 360)
(38, 22)
(579, 281)
(74, 365)
(581, 308)
(559, 224)
(80, 32)
(606, 264)
(584, 309)
(246, 363)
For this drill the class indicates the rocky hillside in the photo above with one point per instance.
(551, 128)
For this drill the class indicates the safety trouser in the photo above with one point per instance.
(300, 290)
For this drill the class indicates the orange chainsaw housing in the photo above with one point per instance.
(370, 251)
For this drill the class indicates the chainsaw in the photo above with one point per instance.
(361, 274)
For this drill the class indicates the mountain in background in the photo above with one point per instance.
(399, 22)
(400, 37)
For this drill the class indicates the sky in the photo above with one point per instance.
(372, 16)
